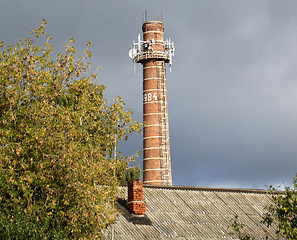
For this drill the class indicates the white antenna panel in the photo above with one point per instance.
(132, 53)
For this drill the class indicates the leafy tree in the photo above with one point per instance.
(237, 228)
(282, 215)
(58, 173)
(132, 173)
(284, 212)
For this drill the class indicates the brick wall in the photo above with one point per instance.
(135, 197)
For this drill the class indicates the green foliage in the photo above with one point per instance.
(237, 228)
(57, 137)
(284, 212)
(133, 173)
(282, 215)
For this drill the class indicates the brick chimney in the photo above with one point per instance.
(153, 53)
(135, 197)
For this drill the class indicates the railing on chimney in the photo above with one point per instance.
(164, 130)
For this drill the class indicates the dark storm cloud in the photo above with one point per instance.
(232, 90)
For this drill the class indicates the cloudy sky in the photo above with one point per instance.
(232, 91)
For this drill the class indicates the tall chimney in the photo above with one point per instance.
(153, 52)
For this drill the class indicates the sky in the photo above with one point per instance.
(232, 91)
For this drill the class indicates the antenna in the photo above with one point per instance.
(139, 50)
(145, 15)
(161, 15)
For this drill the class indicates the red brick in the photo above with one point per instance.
(135, 193)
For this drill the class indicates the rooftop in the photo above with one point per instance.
(179, 212)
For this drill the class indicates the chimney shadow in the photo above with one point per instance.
(129, 215)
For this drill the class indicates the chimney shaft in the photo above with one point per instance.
(156, 148)
(153, 52)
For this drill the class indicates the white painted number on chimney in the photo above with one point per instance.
(147, 97)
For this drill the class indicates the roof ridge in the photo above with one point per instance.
(243, 190)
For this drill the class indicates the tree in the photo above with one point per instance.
(282, 214)
(237, 228)
(58, 173)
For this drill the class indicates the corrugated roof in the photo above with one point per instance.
(196, 213)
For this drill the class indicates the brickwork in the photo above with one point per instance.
(135, 197)
(156, 156)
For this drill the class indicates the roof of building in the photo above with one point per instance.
(195, 213)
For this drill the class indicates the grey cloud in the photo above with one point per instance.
(232, 90)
